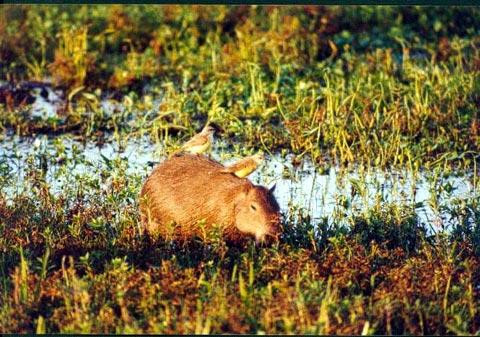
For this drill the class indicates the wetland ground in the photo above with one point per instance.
(369, 118)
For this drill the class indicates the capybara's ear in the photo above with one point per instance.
(272, 189)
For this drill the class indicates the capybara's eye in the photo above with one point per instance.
(253, 207)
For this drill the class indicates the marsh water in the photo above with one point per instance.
(335, 194)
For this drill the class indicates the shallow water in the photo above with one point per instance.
(336, 195)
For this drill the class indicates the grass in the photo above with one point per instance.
(349, 88)
(404, 103)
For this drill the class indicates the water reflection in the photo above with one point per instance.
(338, 194)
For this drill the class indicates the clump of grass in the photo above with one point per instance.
(393, 226)
(69, 68)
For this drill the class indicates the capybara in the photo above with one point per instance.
(187, 195)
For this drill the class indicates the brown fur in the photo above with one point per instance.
(186, 191)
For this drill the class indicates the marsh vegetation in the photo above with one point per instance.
(369, 121)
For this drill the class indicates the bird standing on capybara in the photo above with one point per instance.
(201, 142)
(245, 166)
(187, 195)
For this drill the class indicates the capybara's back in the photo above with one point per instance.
(186, 195)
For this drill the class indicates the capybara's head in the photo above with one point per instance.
(257, 213)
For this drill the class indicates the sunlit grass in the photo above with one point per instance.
(364, 89)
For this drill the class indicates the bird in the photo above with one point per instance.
(201, 142)
(245, 166)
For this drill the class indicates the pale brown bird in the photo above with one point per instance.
(201, 142)
(245, 166)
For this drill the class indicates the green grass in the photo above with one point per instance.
(359, 87)
(408, 99)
